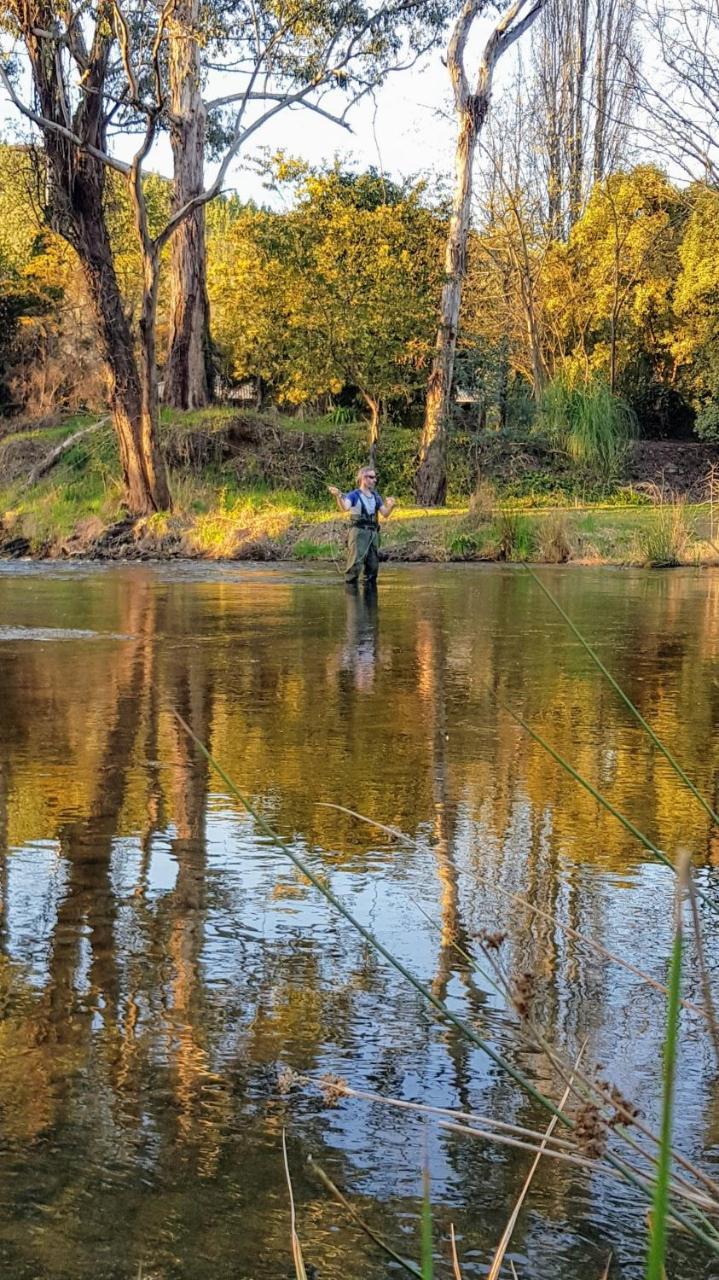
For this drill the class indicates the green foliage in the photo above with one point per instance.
(516, 537)
(707, 422)
(592, 426)
(696, 336)
(341, 415)
(464, 545)
(338, 293)
(306, 549)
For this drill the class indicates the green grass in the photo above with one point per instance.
(227, 505)
(305, 549)
(668, 540)
(590, 424)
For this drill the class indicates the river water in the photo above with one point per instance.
(163, 965)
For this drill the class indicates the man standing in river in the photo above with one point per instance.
(365, 506)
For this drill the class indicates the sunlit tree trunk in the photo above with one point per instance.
(432, 474)
(75, 188)
(471, 110)
(188, 374)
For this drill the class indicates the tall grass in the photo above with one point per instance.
(587, 422)
(554, 545)
(666, 541)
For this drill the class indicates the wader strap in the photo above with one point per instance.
(367, 520)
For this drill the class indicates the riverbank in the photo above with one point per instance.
(248, 487)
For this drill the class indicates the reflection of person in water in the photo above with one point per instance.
(360, 650)
(365, 506)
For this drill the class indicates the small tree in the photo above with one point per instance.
(342, 286)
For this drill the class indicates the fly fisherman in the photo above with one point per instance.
(365, 506)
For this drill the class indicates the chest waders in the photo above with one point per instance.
(363, 544)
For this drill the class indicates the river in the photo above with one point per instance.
(164, 967)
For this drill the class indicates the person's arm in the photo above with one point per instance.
(387, 507)
(343, 503)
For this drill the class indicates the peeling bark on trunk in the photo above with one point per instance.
(432, 473)
(75, 185)
(188, 371)
(142, 464)
(471, 110)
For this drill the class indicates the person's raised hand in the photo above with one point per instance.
(332, 488)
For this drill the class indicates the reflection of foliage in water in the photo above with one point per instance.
(141, 1049)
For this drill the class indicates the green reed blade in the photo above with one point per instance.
(444, 1011)
(660, 1208)
(597, 795)
(668, 755)
(427, 1247)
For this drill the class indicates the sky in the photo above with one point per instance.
(407, 130)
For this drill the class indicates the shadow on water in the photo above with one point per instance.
(159, 960)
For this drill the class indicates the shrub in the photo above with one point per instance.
(463, 546)
(707, 422)
(516, 537)
(483, 501)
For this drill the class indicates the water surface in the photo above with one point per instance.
(160, 960)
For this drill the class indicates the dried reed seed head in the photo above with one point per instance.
(493, 941)
(287, 1079)
(590, 1130)
(333, 1088)
(625, 1112)
(523, 992)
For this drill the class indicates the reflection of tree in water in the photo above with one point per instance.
(129, 1047)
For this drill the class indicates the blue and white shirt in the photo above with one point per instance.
(368, 502)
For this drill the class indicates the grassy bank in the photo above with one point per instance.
(252, 487)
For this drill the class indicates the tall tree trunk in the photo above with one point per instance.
(143, 468)
(188, 371)
(600, 94)
(576, 139)
(150, 401)
(374, 407)
(432, 474)
(471, 110)
(75, 187)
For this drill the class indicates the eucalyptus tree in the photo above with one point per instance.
(471, 107)
(95, 71)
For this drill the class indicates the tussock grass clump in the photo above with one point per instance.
(667, 540)
(516, 537)
(588, 423)
(554, 544)
(483, 502)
